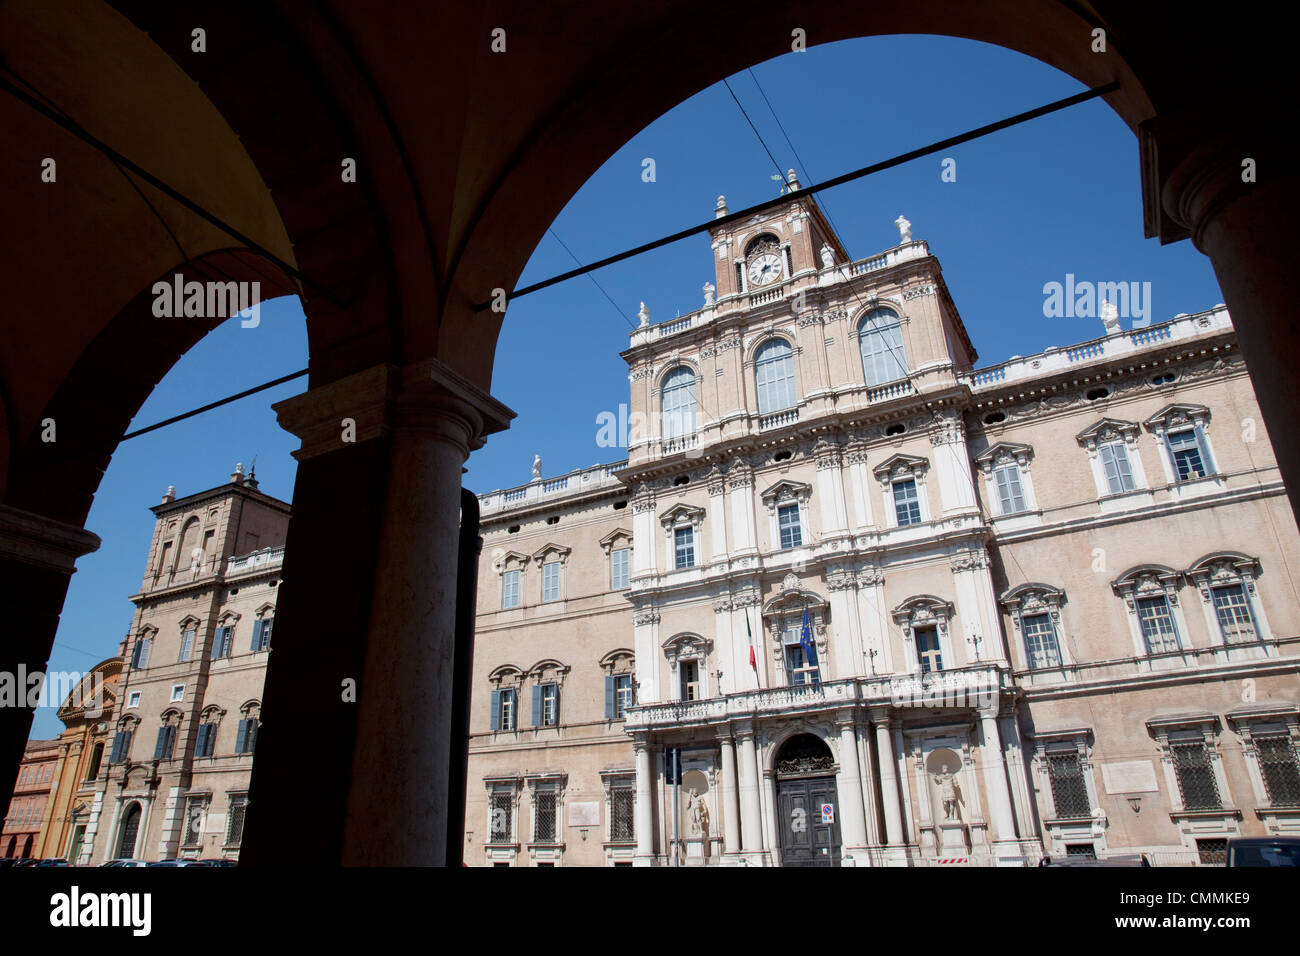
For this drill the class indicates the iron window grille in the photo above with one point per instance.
(1069, 790)
(544, 805)
(1083, 851)
(1195, 776)
(1212, 852)
(502, 809)
(235, 825)
(622, 815)
(1157, 625)
(1232, 609)
(196, 809)
(1280, 768)
(1040, 641)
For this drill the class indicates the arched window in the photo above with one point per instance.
(774, 376)
(880, 337)
(678, 403)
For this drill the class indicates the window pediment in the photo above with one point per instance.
(506, 674)
(685, 647)
(1224, 567)
(786, 492)
(265, 611)
(559, 551)
(1107, 430)
(682, 514)
(1179, 413)
(620, 660)
(923, 610)
(900, 466)
(619, 537)
(549, 669)
(511, 560)
(1033, 598)
(1004, 452)
(1152, 580)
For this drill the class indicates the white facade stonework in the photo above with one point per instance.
(1050, 600)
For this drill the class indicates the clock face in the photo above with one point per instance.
(764, 269)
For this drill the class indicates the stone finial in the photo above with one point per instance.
(537, 465)
(828, 255)
(904, 228)
(1109, 317)
(237, 476)
(643, 314)
(721, 209)
(709, 290)
(792, 180)
(170, 496)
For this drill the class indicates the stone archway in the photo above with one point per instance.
(450, 204)
(128, 832)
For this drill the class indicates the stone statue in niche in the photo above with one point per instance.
(697, 811)
(949, 793)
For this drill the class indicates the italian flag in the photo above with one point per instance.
(753, 662)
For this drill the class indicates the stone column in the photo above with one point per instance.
(995, 778)
(1220, 173)
(888, 777)
(853, 820)
(359, 690)
(37, 557)
(730, 798)
(751, 822)
(645, 848)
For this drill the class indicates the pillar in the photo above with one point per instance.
(853, 820)
(730, 798)
(358, 695)
(995, 778)
(645, 849)
(751, 822)
(888, 777)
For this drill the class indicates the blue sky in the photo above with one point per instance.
(1055, 196)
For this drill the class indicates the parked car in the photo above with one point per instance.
(178, 863)
(24, 861)
(125, 862)
(53, 861)
(1263, 851)
(1114, 859)
(212, 862)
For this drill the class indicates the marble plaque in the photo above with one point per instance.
(584, 814)
(1132, 776)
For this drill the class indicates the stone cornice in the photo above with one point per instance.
(34, 539)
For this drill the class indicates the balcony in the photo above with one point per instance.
(1182, 328)
(256, 561)
(562, 486)
(963, 687)
(787, 416)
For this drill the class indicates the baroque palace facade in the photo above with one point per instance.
(158, 769)
(1051, 606)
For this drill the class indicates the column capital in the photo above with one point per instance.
(881, 713)
(30, 538)
(426, 396)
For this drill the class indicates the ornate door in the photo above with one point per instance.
(807, 804)
(130, 827)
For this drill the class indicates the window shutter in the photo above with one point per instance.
(537, 705)
(494, 718)
(202, 747)
(126, 743)
(257, 634)
(187, 644)
(251, 743)
(557, 705)
(241, 736)
(160, 748)
(609, 697)
(1206, 457)
(116, 755)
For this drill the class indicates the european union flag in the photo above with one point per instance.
(806, 641)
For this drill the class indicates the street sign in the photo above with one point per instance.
(828, 813)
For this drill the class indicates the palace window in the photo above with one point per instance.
(1270, 737)
(1185, 451)
(619, 564)
(1280, 768)
(205, 741)
(880, 340)
(1181, 429)
(689, 673)
(618, 695)
(788, 524)
(501, 806)
(1069, 791)
(503, 704)
(262, 634)
(140, 654)
(774, 376)
(235, 822)
(121, 744)
(622, 810)
(1195, 775)
(801, 669)
(133, 699)
(1115, 465)
(1041, 648)
(246, 734)
(551, 581)
(1157, 624)
(928, 650)
(196, 814)
(677, 401)
(96, 759)
(907, 503)
(187, 644)
(544, 812)
(510, 589)
(166, 742)
(221, 642)
(1232, 609)
(1011, 499)
(683, 548)
(546, 705)
(1006, 473)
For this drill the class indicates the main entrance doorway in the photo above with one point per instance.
(807, 803)
(130, 827)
